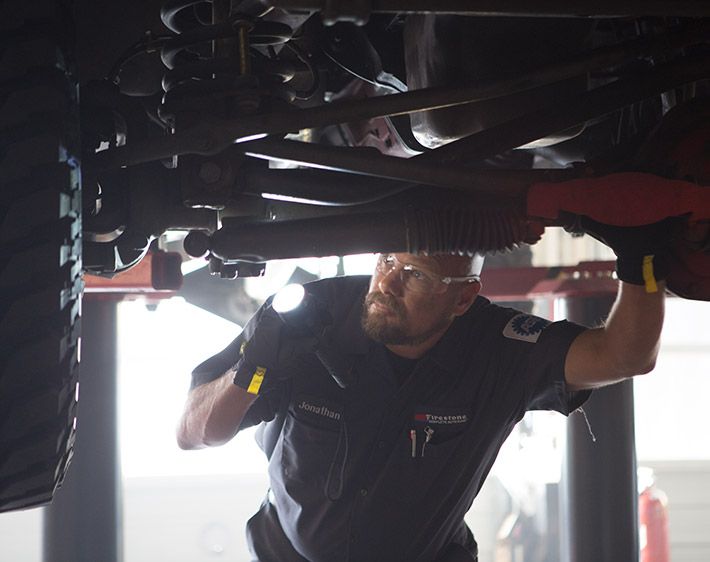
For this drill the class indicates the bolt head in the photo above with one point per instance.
(196, 244)
(210, 172)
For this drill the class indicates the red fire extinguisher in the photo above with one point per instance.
(653, 521)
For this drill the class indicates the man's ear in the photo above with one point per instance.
(466, 296)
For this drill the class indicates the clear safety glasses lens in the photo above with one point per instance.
(413, 279)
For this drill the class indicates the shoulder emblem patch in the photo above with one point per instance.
(525, 327)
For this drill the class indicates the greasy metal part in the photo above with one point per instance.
(196, 244)
(563, 114)
(285, 195)
(351, 11)
(140, 203)
(209, 182)
(221, 10)
(170, 10)
(157, 205)
(547, 8)
(243, 40)
(612, 199)
(465, 230)
(370, 162)
(210, 137)
(431, 229)
(318, 187)
(681, 143)
(323, 236)
(324, 188)
(224, 297)
(235, 269)
(256, 8)
(223, 47)
(450, 50)
(158, 273)
(216, 86)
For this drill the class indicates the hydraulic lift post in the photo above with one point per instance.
(84, 521)
(599, 495)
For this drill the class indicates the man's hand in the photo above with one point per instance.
(266, 356)
(212, 414)
(642, 251)
(627, 344)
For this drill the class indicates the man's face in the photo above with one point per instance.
(396, 315)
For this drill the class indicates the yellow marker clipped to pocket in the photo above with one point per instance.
(256, 379)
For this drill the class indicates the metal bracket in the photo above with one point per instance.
(351, 11)
(236, 269)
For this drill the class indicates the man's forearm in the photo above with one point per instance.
(213, 413)
(625, 346)
(634, 328)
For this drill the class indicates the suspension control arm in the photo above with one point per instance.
(623, 199)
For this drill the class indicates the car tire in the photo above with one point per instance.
(40, 250)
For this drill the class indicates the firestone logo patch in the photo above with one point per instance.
(525, 327)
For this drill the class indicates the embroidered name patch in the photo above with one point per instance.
(525, 327)
(318, 409)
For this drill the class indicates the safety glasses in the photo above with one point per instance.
(418, 280)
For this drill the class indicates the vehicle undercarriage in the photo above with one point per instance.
(296, 128)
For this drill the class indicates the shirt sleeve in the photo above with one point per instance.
(535, 350)
(217, 365)
(546, 370)
(266, 405)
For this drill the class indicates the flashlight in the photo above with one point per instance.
(301, 312)
(288, 298)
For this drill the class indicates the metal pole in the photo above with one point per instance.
(599, 497)
(84, 523)
(499, 182)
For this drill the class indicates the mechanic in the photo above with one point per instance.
(386, 468)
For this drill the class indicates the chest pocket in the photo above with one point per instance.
(309, 442)
(425, 455)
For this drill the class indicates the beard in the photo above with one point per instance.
(393, 327)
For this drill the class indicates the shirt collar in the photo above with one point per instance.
(348, 335)
(351, 338)
(446, 352)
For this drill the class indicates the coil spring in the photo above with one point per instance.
(198, 71)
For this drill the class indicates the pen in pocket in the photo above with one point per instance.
(428, 432)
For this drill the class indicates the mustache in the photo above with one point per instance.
(387, 300)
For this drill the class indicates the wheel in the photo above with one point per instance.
(40, 251)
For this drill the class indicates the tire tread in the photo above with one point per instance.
(40, 252)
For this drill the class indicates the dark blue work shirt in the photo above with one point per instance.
(383, 471)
